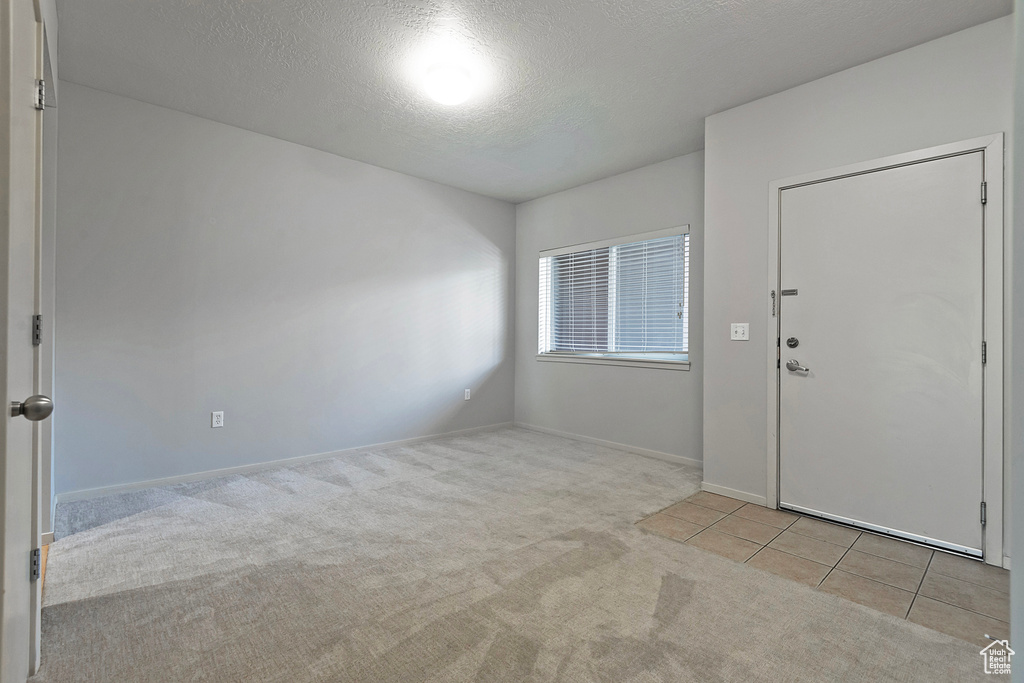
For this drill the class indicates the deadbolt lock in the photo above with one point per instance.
(792, 342)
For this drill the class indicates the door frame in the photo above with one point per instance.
(19, 513)
(992, 402)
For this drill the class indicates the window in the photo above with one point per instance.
(621, 301)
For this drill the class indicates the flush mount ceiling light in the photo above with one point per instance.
(448, 83)
(448, 67)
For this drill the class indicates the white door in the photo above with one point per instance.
(20, 126)
(881, 423)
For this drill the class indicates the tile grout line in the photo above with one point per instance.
(763, 545)
(669, 514)
(781, 529)
(726, 533)
(747, 561)
(919, 584)
(959, 607)
(815, 538)
(898, 540)
(839, 560)
(799, 557)
(957, 578)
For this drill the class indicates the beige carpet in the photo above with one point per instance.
(501, 556)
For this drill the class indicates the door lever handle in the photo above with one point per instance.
(794, 366)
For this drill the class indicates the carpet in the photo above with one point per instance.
(505, 555)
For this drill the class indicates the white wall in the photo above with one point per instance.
(654, 410)
(320, 302)
(950, 89)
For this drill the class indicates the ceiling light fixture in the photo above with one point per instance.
(449, 67)
(448, 83)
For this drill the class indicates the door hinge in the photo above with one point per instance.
(34, 567)
(40, 94)
(983, 515)
(984, 352)
(773, 303)
(37, 330)
(984, 193)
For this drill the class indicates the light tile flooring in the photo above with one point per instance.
(957, 596)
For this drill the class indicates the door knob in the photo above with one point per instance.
(34, 408)
(794, 366)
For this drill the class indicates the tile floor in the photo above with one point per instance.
(961, 597)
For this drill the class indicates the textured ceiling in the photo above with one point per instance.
(578, 89)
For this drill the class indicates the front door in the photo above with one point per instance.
(881, 375)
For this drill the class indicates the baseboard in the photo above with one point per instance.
(46, 538)
(99, 492)
(733, 493)
(1006, 562)
(658, 455)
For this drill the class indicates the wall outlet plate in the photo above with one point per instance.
(467, 394)
(740, 332)
(217, 419)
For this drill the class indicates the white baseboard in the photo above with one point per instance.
(733, 493)
(658, 455)
(1006, 562)
(99, 492)
(46, 538)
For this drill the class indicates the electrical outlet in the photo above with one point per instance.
(740, 332)
(467, 394)
(217, 419)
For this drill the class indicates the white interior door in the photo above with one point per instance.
(883, 427)
(20, 129)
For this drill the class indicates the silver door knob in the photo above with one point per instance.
(794, 366)
(34, 408)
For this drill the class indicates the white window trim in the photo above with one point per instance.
(613, 359)
(616, 241)
(624, 359)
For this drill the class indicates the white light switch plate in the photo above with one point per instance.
(740, 332)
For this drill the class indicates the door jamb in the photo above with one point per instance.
(994, 312)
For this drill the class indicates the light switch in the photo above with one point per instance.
(740, 332)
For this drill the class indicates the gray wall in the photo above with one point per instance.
(655, 410)
(320, 302)
(951, 89)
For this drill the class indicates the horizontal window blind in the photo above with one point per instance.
(650, 290)
(628, 298)
(579, 301)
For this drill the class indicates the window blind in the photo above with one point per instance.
(623, 299)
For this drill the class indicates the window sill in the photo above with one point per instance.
(595, 359)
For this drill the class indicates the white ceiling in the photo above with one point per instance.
(581, 89)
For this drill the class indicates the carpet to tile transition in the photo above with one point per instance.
(506, 555)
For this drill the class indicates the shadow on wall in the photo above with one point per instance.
(321, 303)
